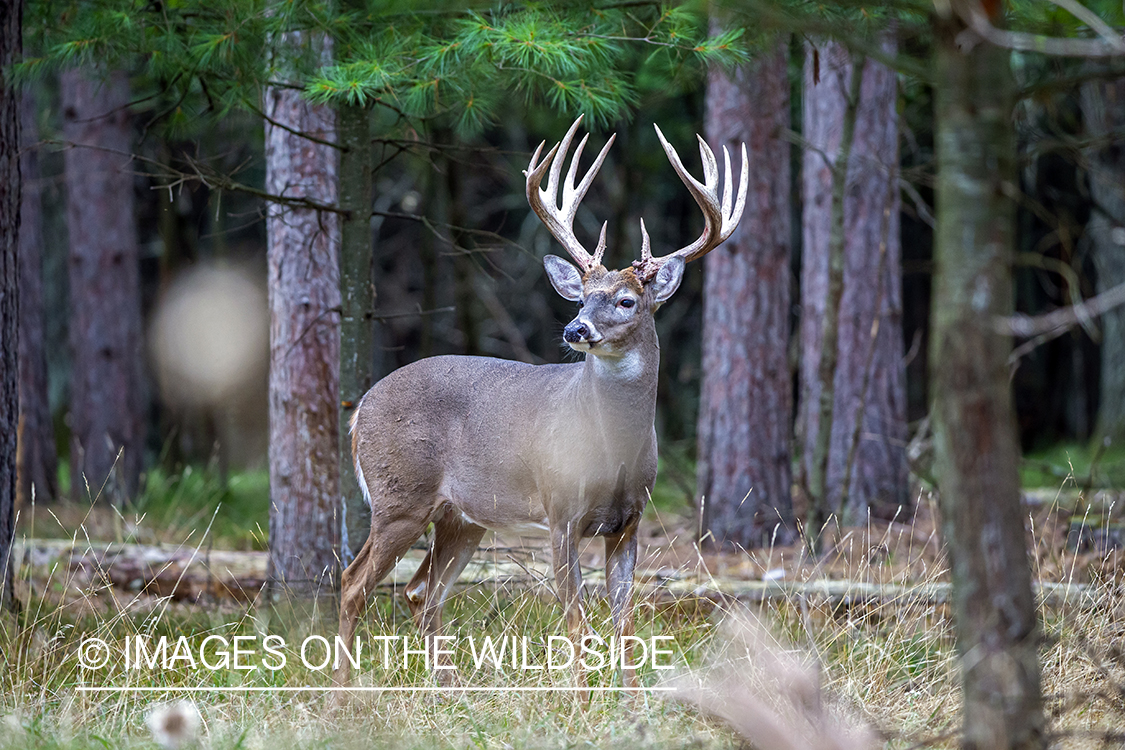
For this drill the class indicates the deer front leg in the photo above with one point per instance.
(620, 559)
(568, 583)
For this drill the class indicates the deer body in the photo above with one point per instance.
(472, 443)
(511, 446)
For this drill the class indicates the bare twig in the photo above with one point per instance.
(207, 177)
(1047, 263)
(1091, 19)
(920, 205)
(1058, 322)
(293, 131)
(381, 317)
(1051, 325)
(974, 14)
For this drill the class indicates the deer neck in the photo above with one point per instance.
(623, 388)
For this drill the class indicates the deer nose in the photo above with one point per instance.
(575, 331)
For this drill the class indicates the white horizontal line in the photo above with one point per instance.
(403, 689)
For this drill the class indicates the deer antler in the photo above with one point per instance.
(719, 217)
(560, 221)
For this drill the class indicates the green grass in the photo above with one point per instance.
(893, 664)
(41, 708)
(1069, 465)
(675, 478)
(237, 511)
(173, 508)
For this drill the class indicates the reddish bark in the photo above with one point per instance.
(106, 417)
(304, 382)
(871, 216)
(746, 396)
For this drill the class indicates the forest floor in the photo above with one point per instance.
(864, 629)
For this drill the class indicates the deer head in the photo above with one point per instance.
(615, 303)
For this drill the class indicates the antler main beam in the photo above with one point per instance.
(719, 216)
(560, 220)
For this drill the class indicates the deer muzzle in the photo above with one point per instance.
(581, 334)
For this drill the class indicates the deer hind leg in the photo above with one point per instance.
(455, 540)
(386, 544)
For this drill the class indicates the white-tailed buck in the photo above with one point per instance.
(471, 443)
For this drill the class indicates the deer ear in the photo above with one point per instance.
(564, 277)
(667, 280)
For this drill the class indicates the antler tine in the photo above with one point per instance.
(536, 169)
(710, 167)
(646, 246)
(580, 191)
(599, 251)
(557, 164)
(720, 219)
(743, 184)
(568, 185)
(559, 220)
(726, 181)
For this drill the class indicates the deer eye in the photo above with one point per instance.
(627, 302)
(580, 304)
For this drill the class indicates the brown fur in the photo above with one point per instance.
(626, 277)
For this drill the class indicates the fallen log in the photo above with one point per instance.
(199, 574)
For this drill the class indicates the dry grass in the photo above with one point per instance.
(888, 666)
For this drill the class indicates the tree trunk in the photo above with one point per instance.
(357, 295)
(819, 508)
(974, 428)
(464, 267)
(869, 380)
(10, 44)
(1103, 107)
(304, 378)
(36, 457)
(746, 394)
(106, 405)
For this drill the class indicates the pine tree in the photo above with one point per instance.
(746, 394)
(304, 300)
(869, 388)
(106, 408)
(974, 428)
(10, 42)
(37, 458)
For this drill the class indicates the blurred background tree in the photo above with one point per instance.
(1103, 113)
(865, 464)
(744, 452)
(37, 460)
(10, 43)
(106, 414)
